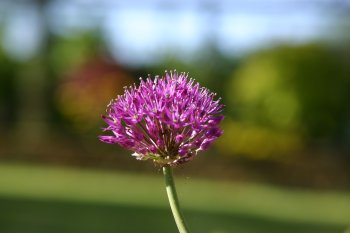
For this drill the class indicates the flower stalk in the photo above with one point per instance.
(173, 200)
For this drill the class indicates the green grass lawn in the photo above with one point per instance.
(49, 199)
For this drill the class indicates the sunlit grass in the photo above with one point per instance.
(227, 204)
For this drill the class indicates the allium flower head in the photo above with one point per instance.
(167, 119)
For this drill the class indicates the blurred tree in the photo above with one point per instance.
(67, 54)
(34, 79)
(74, 50)
(88, 80)
(294, 90)
(8, 97)
(83, 96)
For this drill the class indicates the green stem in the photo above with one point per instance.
(173, 200)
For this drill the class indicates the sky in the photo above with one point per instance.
(142, 32)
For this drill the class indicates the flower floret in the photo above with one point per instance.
(167, 119)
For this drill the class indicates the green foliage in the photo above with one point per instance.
(302, 89)
(257, 142)
(68, 53)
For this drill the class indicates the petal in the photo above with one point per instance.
(214, 132)
(108, 139)
(216, 120)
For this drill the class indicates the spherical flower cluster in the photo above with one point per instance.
(168, 119)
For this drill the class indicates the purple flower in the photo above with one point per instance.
(168, 119)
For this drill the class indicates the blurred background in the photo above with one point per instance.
(282, 69)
